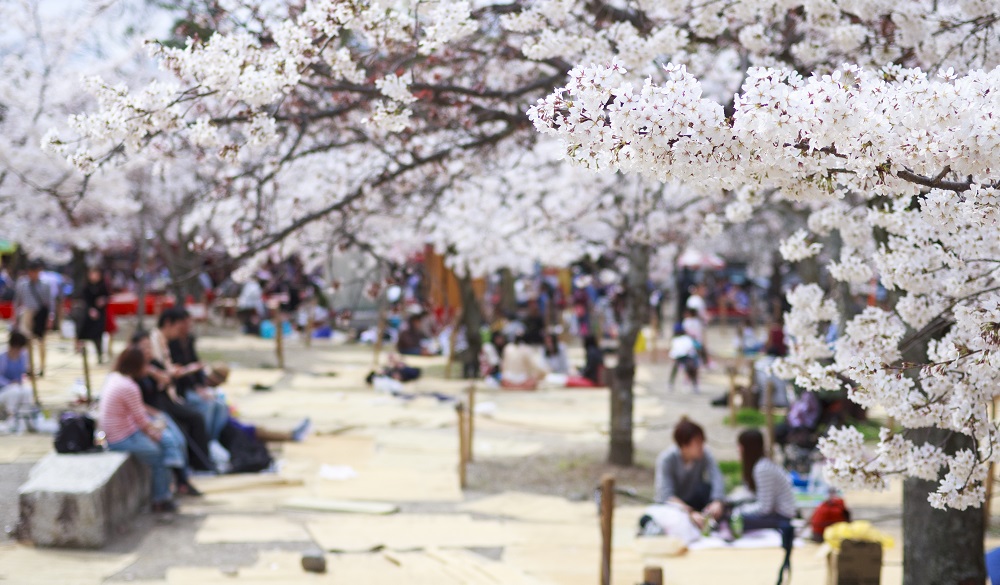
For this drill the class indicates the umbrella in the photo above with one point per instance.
(691, 258)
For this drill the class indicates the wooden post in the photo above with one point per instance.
(732, 396)
(310, 322)
(652, 576)
(471, 422)
(462, 444)
(86, 373)
(279, 339)
(31, 371)
(383, 309)
(607, 515)
(769, 415)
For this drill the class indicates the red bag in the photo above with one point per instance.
(829, 512)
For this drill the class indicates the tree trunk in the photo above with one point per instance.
(774, 297)
(508, 296)
(940, 547)
(472, 320)
(634, 317)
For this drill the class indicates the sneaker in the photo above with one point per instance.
(301, 431)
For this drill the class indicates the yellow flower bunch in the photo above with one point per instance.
(860, 530)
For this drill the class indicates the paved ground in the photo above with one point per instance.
(526, 515)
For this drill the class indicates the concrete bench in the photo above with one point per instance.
(81, 500)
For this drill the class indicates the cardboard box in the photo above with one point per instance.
(857, 563)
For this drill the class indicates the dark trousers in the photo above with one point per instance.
(701, 498)
(192, 424)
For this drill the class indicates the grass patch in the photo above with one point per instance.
(731, 472)
(752, 418)
(869, 429)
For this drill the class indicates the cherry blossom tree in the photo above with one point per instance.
(900, 163)
(45, 205)
(330, 109)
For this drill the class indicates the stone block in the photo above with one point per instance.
(81, 500)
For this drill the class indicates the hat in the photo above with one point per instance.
(217, 374)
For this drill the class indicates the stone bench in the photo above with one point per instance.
(81, 500)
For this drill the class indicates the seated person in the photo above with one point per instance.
(803, 419)
(128, 427)
(15, 395)
(592, 373)
(158, 394)
(555, 355)
(747, 342)
(200, 383)
(522, 366)
(412, 339)
(688, 476)
(490, 359)
(773, 502)
(397, 371)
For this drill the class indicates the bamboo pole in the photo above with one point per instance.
(32, 376)
(86, 374)
(310, 322)
(383, 310)
(471, 422)
(462, 444)
(652, 576)
(732, 396)
(607, 514)
(769, 415)
(279, 339)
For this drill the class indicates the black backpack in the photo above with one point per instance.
(247, 454)
(75, 434)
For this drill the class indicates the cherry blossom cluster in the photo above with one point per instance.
(926, 186)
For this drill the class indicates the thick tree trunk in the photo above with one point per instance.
(634, 317)
(508, 297)
(472, 320)
(940, 547)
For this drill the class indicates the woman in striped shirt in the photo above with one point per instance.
(774, 503)
(128, 427)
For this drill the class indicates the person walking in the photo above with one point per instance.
(33, 309)
(93, 320)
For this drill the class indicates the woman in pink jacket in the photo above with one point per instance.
(128, 427)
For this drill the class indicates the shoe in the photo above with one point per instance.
(301, 431)
(186, 489)
(40, 374)
(165, 507)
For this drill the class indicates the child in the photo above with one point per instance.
(684, 352)
(15, 395)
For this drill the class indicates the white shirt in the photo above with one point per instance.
(682, 346)
(698, 304)
(695, 328)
